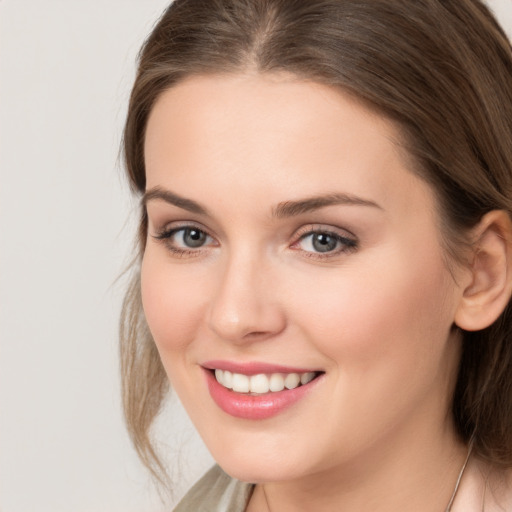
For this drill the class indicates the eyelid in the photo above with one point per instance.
(323, 228)
(348, 240)
(165, 234)
(168, 227)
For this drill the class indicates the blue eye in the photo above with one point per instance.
(325, 242)
(191, 237)
(185, 239)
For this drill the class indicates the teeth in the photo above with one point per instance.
(276, 382)
(292, 380)
(227, 379)
(262, 383)
(259, 383)
(307, 377)
(240, 383)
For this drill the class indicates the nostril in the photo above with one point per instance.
(255, 334)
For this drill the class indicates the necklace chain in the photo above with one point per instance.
(459, 478)
(454, 493)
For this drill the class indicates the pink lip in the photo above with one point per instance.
(253, 368)
(256, 407)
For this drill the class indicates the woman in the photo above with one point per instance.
(325, 252)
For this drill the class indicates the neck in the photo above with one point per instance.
(420, 475)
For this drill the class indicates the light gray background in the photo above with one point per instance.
(66, 225)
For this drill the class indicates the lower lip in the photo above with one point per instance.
(255, 407)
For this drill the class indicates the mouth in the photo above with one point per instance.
(262, 383)
(256, 391)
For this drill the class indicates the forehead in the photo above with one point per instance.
(274, 133)
(267, 104)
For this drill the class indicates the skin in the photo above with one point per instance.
(376, 433)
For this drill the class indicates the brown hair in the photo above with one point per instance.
(441, 69)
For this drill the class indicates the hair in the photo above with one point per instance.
(441, 70)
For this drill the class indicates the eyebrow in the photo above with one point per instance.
(292, 208)
(281, 210)
(174, 199)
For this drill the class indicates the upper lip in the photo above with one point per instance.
(253, 368)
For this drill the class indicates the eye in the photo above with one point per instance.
(185, 239)
(190, 237)
(325, 242)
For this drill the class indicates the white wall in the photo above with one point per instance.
(66, 67)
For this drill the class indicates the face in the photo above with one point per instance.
(291, 249)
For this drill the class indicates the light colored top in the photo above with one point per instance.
(216, 492)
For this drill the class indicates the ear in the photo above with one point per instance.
(490, 284)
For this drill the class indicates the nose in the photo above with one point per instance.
(245, 306)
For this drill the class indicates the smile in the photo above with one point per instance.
(258, 391)
(262, 383)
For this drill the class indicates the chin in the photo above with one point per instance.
(259, 464)
(258, 472)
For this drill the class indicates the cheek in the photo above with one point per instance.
(392, 308)
(171, 302)
(386, 333)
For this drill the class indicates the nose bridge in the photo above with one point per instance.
(243, 306)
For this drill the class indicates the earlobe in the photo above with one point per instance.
(490, 286)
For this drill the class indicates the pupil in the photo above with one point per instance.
(194, 238)
(324, 243)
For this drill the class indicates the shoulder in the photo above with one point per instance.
(485, 488)
(216, 492)
(498, 491)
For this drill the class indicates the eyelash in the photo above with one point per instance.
(344, 244)
(166, 235)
